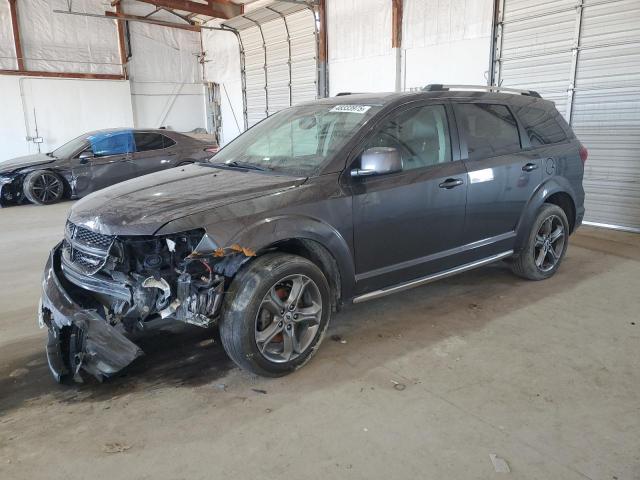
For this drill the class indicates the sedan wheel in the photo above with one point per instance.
(43, 187)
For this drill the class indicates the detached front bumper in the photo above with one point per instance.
(79, 338)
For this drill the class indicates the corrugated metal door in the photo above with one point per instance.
(585, 56)
(279, 44)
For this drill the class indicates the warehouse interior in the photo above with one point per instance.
(477, 376)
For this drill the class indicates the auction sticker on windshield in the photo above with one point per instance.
(351, 108)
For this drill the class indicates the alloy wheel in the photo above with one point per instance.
(46, 187)
(549, 243)
(288, 318)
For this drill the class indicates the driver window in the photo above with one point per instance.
(420, 134)
(111, 143)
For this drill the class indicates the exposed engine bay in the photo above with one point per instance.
(128, 283)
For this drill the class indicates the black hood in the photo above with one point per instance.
(26, 161)
(142, 205)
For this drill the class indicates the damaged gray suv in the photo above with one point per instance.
(318, 206)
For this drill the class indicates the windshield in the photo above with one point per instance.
(298, 140)
(71, 147)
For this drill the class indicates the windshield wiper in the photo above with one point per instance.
(49, 154)
(244, 165)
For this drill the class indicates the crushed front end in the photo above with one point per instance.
(100, 290)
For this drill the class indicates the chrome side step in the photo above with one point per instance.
(431, 278)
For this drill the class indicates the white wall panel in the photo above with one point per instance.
(62, 109)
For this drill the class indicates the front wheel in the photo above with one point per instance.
(43, 187)
(546, 246)
(275, 314)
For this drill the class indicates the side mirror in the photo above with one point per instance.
(86, 156)
(378, 161)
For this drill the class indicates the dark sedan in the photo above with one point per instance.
(96, 160)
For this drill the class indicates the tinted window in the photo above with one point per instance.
(490, 130)
(167, 142)
(111, 143)
(148, 141)
(69, 148)
(541, 127)
(420, 134)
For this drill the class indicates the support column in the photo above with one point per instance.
(16, 34)
(323, 73)
(396, 40)
(575, 52)
(121, 41)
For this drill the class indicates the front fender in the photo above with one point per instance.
(267, 232)
(540, 195)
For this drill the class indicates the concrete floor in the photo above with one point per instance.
(429, 383)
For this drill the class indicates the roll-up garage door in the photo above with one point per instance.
(279, 46)
(585, 56)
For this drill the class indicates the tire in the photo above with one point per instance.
(542, 255)
(253, 327)
(43, 187)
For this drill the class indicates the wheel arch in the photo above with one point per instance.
(557, 191)
(310, 238)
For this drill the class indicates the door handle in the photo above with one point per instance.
(451, 183)
(530, 167)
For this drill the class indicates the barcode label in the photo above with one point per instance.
(351, 109)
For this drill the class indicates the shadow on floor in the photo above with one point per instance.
(191, 357)
(195, 357)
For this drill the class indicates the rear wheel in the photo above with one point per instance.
(43, 187)
(546, 246)
(275, 314)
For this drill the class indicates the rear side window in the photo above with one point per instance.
(542, 128)
(490, 130)
(146, 141)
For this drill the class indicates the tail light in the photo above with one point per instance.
(584, 154)
(212, 149)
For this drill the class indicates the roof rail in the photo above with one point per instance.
(437, 87)
(344, 94)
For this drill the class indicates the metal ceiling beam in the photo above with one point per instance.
(32, 73)
(217, 8)
(132, 18)
(153, 21)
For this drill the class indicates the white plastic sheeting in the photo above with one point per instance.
(7, 52)
(442, 42)
(61, 43)
(359, 42)
(446, 42)
(223, 67)
(165, 74)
